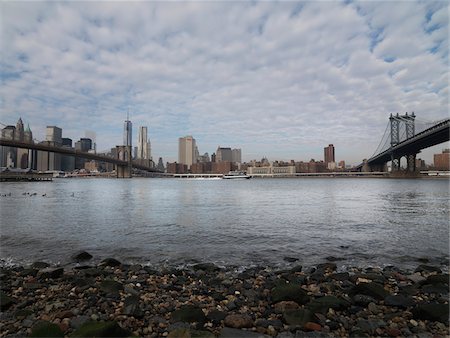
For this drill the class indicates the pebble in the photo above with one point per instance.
(241, 301)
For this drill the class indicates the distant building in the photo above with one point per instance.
(272, 170)
(236, 155)
(177, 168)
(222, 167)
(67, 162)
(203, 158)
(224, 154)
(160, 165)
(83, 145)
(442, 160)
(329, 154)
(213, 157)
(127, 133)
(341, 165)
(54, 134)
(186, 150)
(143, 146)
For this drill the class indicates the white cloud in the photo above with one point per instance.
(276, 79)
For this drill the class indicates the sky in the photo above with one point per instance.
(280, 80)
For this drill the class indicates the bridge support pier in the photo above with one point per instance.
(395, 163)
(411, 163)
(123, 154)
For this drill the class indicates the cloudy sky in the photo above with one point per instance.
(280, 80)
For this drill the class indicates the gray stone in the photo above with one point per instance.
(50, 273)
(370, 289)
(110, 287)
(399, 301)
(110, 262)
(290, 292)
(189, 313)
(46, 329)
(432, 311)
(322, 304)
(82, 256)
(297, 317)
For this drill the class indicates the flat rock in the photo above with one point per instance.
(5, 301)
(82, 256)
(110, 262)
(238, 321)
(288, 292)
(101, 329)
(370, 289)
(427, 268)
(189, 313)
(110, 286)
(40, 265)
(432, 311)
(297, 317)
(399, 301)
(284, 306)
(323, 304)
(46, 329)
(50, 273)
(437, 279)
(208, 267)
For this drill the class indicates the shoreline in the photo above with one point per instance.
(204, 300)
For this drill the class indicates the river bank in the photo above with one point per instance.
(204, 300)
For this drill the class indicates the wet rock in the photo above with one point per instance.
(290, 259)
(187, 333)
(82, 256)
(110, 287)
(131, 307)
(216, 316)
(323, 304)
(46, 329)
(370, 289)
(236, 333)
(101, 329)
(297, 317)
(369, 326)
(432, 311)
(334, 259)
(310, 326)
(5, 301)
(437, 288)
(110, 262)
(238, 321)
(284, 306)
(40, 265)
(363, 300)
(341, 276)
(208, 267)
(50, 273)
(189, 314)
(327, 267)
(288, 292)
(297, 268)
(437, 279)
(22, 313)
(399, 301)
(427, 268)
(76, 322)
(28, 272)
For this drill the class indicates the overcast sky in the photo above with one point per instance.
(280, 80)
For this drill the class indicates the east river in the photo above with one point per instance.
(269, 222)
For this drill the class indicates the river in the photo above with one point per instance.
(162, 221)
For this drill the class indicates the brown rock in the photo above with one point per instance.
(286, 305)
(393, 332)
(64, 314)
(310, 326)
(238, 321)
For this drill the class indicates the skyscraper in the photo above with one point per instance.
(144, 147)
(328, 154)
(224, 154)
(127, 135)
(236, 155)
(54, 134)
(186, 150)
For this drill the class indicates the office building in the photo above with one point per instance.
(127, 133)
(328, 154)
(83, 145)
(224, 154)
(442, 160)
(144, 146)
(236, 155)
(67, 162)
(186, 150)
(54, 134)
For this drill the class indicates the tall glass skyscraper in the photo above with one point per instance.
(127, 136)
(143, 148)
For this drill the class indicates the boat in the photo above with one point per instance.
(236, 174)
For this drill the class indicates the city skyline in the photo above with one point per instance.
(280, 80)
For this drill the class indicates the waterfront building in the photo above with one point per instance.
(83, 145)
(213, 157)
(224, 154)
(272, 170)
(186, 150)
(236, 155)
(160, 165)
(144, 146)
(203, 158)
(177, 168)
(329, 154)
(442, 160)
(67, 162)
(127, 132)
(222, 167)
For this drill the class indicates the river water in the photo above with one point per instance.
(161, 221)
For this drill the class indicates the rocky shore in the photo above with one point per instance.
(111, 299)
